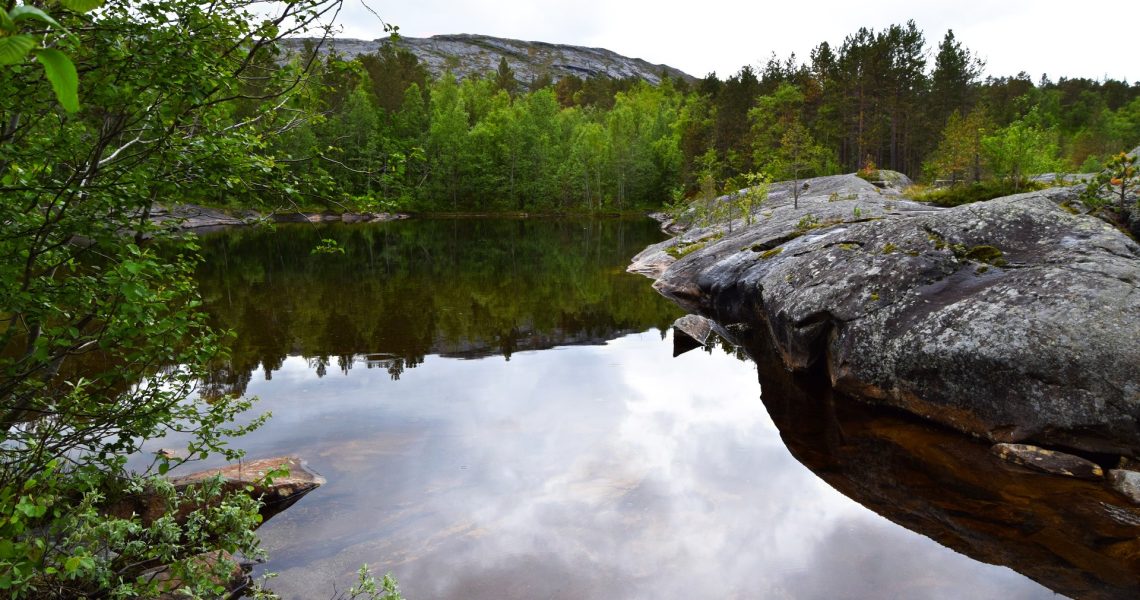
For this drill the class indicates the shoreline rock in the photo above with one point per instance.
(244, 477)
(1011, 320)
(202, 219)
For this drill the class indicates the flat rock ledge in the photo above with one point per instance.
(1013, 320)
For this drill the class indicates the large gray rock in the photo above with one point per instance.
(1010, 319)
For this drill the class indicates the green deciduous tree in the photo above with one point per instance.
(101, 340)
(958, 156)
(1020, 150)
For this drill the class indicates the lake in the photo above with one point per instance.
(498, 412)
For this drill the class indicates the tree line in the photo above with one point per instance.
(380, 132)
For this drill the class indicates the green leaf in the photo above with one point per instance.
(6, 22)
(24, 12)
(71, 565)
(82, 5)
(61, 73)
(14, 48)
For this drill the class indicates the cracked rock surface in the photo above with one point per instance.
(1012, 319)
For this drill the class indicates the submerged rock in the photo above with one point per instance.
(246, 478)
(690, 332)
(276, 495)
(1010, 319)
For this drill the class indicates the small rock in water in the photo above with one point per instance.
(170, 453)
(1048, 461)
(1127, 483)
(690, 331)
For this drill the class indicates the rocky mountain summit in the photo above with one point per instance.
(467, 54)
(1013, 320)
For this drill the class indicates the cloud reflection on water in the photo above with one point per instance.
(583, 472)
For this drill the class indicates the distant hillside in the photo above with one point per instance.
(466, 54)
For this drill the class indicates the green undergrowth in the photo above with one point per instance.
(966, 193)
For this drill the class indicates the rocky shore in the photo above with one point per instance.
(1016, 320)
(202, 219)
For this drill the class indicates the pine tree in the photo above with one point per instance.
(954, 80)
(505, 78)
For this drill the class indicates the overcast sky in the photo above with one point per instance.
(1095, 39)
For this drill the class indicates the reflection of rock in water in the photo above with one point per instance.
(1075, 537)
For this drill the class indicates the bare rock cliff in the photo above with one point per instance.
(467, 54)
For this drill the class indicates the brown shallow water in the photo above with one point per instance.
(498, 415)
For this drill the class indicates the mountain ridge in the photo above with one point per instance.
(466, 54)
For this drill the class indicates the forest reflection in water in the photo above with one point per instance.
(598, 467)
(403, 290)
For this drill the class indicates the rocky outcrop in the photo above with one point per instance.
(465, 55)
(1012, 319)
(192, 216)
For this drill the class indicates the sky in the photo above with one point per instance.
(1096, 39)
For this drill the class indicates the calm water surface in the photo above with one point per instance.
(498, 413)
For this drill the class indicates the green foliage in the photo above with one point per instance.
(1020, 150)
(1119, 177)
(368, 588)
(808, 222)
(102, 340)
(554, 277)
(958, 156)
(970, 192)
(379, 135)
(15, 46)
(752, 197)
(782, 145)
(57, 544)
(60, 71)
